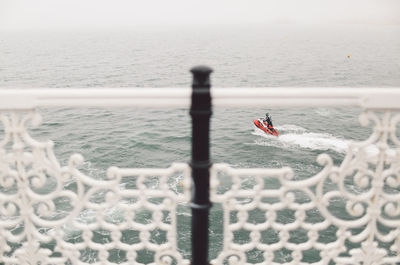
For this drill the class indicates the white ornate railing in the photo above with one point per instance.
(43, 203)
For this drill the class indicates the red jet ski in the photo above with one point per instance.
(264, 127)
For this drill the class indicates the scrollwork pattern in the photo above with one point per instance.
(51, 214)
(356, 203)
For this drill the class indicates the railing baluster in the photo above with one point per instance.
(200, 111)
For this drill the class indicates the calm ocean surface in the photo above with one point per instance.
(241, 57)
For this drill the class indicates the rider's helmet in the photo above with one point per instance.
(267, 115)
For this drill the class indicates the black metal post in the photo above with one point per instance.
(200, 163)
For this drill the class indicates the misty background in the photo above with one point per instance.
(129, 43)
(90, 14)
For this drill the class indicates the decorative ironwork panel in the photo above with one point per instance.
(52, 214)
(346, 214)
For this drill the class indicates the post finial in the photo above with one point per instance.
(201, 76)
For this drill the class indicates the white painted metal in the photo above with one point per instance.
(360, 198)
(33, 186)
(371, 98)
(30, 214)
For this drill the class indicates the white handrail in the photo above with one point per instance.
(371, 98)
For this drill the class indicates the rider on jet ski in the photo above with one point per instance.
(268, 120)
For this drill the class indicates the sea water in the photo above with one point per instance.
(253, 56)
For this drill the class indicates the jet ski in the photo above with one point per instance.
(264, 127)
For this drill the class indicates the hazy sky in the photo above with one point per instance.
(56, 14)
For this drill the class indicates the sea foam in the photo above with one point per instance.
(292, 136)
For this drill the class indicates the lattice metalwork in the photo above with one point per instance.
(52, 214)
(346, 214)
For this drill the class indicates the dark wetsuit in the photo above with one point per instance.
(268, 121)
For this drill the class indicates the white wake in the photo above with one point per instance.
(293, 136)
(296, 136)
